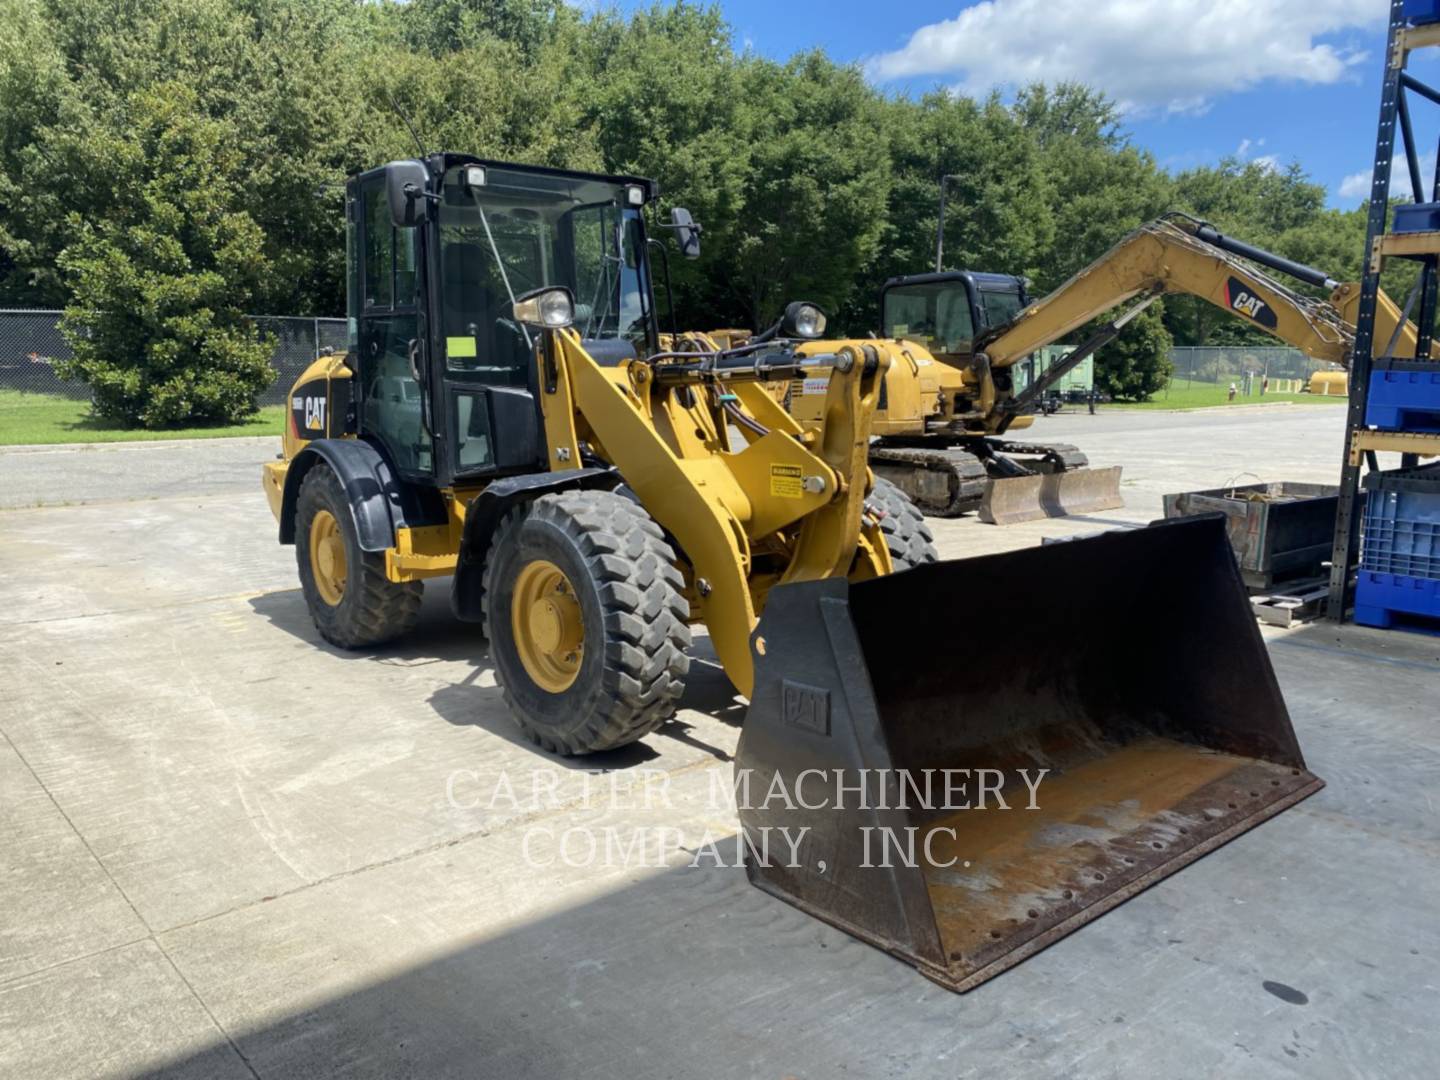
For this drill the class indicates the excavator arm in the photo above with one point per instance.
(1166, 257)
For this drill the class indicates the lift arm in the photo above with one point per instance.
(787, 507)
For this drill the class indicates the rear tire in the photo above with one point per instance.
(599, 558)
(353, 603)
(907, 537)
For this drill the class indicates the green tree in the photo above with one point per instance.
(161, 284)
(997, 210)
(1100, 187)
(1137, 363)
(815, 190)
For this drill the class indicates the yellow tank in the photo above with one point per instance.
(1330, 383)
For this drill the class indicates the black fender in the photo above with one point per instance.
(370, 485)
(490, 507)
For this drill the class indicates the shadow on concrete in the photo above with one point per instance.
(670, 977)
(476, 700)
(437, 636)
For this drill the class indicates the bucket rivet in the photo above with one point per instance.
(1069, 895)
(1231, 805)
(1033, 913)
(1099, 877)
(1157, 845)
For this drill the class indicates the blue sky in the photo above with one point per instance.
(1274, 80)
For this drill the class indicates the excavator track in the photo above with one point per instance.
(1054, 457)
(945, 482)
(955, 480)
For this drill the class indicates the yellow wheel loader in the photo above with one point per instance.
(952, 393)
(506, 418)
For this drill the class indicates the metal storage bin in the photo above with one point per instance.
(1280, 531)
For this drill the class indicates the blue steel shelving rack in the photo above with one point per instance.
(1414, 24)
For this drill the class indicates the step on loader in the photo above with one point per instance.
(506, 418)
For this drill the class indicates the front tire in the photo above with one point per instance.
(587, 624)
(353, 603)
(907, 537)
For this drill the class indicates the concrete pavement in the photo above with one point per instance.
(230, 850)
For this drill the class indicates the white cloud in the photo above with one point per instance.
(1355, 186)
(1171, 56)
(1268, 162)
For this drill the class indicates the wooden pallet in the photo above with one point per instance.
(1301, 602)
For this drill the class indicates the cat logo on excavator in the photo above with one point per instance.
(1248, 304)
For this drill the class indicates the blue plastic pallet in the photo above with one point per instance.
(1402, 523)
(1404, 397)
(1393, 601)
(1422, 11)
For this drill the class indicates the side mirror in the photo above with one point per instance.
(687, 232)
(405, 192)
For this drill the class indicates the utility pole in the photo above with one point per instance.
(940, 225)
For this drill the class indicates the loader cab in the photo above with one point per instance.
(947, 312)
(437, 251)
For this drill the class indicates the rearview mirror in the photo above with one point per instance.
(687, 232)
(405, 192)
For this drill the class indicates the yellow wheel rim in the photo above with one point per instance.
(548, 626)
(327, 557)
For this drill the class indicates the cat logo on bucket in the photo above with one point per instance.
(1241, 299)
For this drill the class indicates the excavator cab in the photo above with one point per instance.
(945, 312)
(943, 450)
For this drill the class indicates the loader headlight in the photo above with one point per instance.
(550, 308)
(802, 320)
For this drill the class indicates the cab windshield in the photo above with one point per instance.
(936, 315)
(520, 231)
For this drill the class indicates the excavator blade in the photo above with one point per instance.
(964, 792)
(1013, 499)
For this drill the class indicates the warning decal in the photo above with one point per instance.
(786, 481)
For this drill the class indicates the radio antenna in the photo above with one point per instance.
(406, 121)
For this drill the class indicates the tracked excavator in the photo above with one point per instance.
(506, 424)
(952, 393)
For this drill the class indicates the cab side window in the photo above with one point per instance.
(393, 406)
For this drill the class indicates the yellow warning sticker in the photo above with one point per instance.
(459, 347)
(786, 481)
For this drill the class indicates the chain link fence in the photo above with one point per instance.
(30, 343)
(1288, 370)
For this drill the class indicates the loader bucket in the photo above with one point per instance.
(1128, 665)
(1061, 494)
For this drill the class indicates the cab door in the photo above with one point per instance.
(385, 283)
